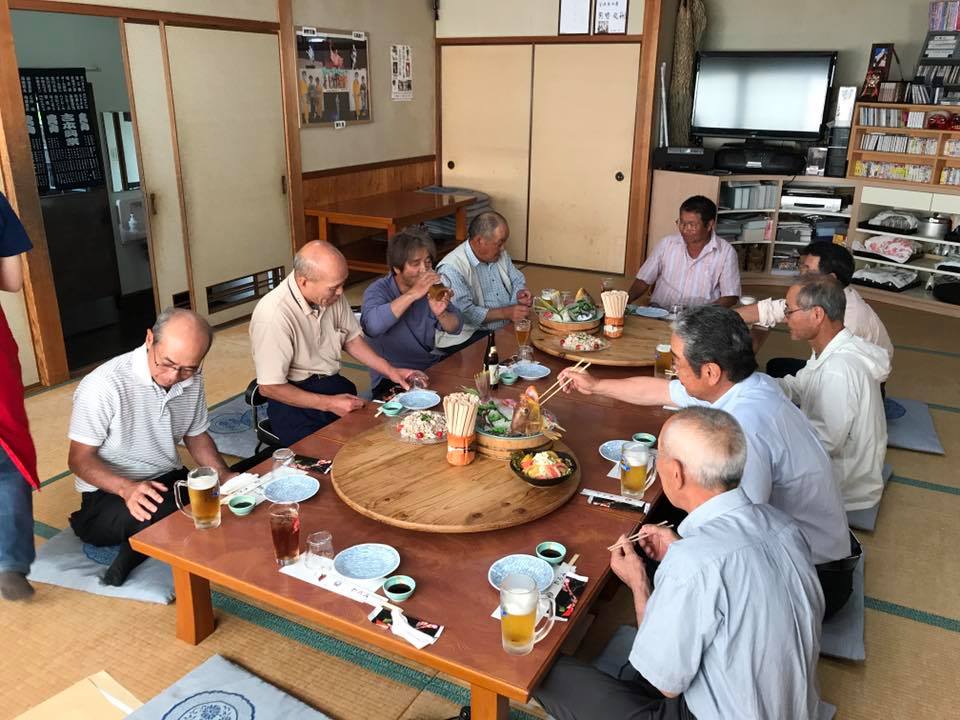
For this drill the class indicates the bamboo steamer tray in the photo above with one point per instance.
(414, 487)
(636, 348)
(552, 327)
(501, 448)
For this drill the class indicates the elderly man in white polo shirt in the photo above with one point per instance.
(786, 465)
(128, 417)
(731, 628)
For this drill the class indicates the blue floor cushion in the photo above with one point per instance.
(843, 633)
(65, 561)
(231, 427)
(910, 426)
(866, 519)
(220, 690)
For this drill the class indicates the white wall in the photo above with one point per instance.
(503, 18)
(399, 129)
(50, 40)
(850, 26)
(265, 10)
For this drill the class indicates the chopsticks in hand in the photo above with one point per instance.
(639, 534)
(563, 383)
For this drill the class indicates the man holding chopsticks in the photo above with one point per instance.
(732, 628)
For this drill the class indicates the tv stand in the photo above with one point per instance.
(753, 156)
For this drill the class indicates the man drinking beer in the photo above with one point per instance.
(128, 416)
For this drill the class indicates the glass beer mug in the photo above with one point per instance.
(519, 602)
(203, 489)
(636, 464)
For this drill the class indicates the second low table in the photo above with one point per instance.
(636, 348)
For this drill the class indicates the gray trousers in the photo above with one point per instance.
(574, 690)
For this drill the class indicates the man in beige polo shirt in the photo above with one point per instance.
(298, 332)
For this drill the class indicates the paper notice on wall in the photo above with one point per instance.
(401, 73)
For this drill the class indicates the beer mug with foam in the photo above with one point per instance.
(519, 602)
(203, 488)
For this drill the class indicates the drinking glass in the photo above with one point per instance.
(522, 329)
(319, 546)
(285, 529)
(525, 354)
(607, 284)
(418, 381)
(663, 361)
(482, 381)
(519, 602)
(282, 463)
(566, 298)
(203, 490)
(636, 462)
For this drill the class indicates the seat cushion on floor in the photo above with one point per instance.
(842, 635)
(66, 561)
(910, 426)
(614, 659)
(866, 519)
(220, 690)
(826, 711)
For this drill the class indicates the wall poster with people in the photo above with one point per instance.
(333, 76)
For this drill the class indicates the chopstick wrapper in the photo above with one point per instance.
(417, 632)
(244, 484)
(329, 579)
(565, 591)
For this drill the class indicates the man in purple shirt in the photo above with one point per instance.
(399, 318)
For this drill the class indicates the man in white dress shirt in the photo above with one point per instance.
(823, 258)
(731, 628)
(839, 388)
(786, 465)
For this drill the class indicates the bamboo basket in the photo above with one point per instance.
(501, 448)
(562, 329)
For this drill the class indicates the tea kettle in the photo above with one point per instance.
(933, 226)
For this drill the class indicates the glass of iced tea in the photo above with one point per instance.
(636, 459)
(519, 602)
(522, 329)
(285, 529)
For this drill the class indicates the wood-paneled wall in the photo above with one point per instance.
(327, 186)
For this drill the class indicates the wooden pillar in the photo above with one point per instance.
(20, 187)
(291, 112)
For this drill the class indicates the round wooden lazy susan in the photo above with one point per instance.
(635, 349)
(414, 487)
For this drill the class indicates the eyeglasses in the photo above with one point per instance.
(788, 312)
(184, 371)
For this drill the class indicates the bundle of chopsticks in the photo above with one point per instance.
(637, 535)
(614, 303)
(561, 384)
(460, 410)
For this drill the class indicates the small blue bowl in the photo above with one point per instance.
(552, 552)
(392, 408)
(399, 587)
(645, 439)
(242, 505)
(508, 377)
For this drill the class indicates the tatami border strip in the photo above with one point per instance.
(924, 485)
(919, 616)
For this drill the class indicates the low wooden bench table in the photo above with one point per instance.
(450, 569)
(390, 211)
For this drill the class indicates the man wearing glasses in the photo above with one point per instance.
(128, 417)
(692, 266)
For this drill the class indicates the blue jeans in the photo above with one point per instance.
(16, 519)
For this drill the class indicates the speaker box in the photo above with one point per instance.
(768, 160)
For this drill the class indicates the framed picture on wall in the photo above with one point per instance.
(333, 77)
(610, 17)
(574, 17)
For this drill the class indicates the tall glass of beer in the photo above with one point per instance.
(203, 490)
(636, 461)
(519, 602)
(285, 529)
(522, 328)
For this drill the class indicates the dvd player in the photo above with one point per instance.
(811, 202)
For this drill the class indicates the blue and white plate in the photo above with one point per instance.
(610, 450)
(538, 569)
(531, 370)
(418, 399)
(291, 488)
(648, 312)
(367, 561)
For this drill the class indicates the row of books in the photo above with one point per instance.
(744, 195)
(952, 148)
(892, 117)
(944, 15)
(950, 176)
(949, 74)
(893, 171)
(881, 142)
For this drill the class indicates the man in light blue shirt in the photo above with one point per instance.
(732, 627)
(487, 288)
(786, 464)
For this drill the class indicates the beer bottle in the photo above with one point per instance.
(492, 363)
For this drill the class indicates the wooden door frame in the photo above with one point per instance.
(16, 164)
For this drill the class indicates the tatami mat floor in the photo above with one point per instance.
(912, 576)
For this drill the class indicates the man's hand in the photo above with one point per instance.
(628, 566)
(579, 380)
(404, 376)
(439, 307)
(524, 297)
(656, 540)
(143, 497)
(518, 312)
(342, 404)
(423, 284)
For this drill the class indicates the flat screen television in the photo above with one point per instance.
(762, 95)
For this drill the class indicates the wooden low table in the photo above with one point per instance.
(391, 212)
(636, 348)
(424, 492)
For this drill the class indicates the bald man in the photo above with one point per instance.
(128, 417)
(299, 331)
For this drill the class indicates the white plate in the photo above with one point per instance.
(531, 370)
(610, 450)
(367, 561)
(648, 312)
(418, 399)
(539, 570)
(291, 488)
